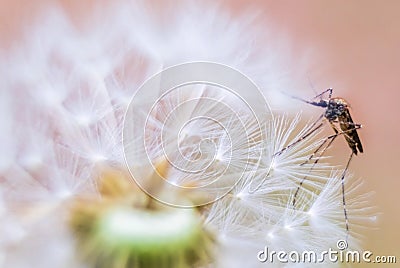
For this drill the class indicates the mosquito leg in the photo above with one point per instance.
(346, 218)
(311, 130)
(330, 90)
(352, 137)
(333, 137)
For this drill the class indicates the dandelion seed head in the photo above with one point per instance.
(62, 118)
(97, 157)
(241, 195)
(288, 227)
(50, 97)
(84, 119)
(269, 210)
(271, 235)
(129, 233)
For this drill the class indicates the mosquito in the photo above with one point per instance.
(337, 113)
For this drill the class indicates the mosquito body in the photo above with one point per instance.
(336, 112)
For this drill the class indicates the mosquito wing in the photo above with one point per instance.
(347, 125)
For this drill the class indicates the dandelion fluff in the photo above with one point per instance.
(66, 90)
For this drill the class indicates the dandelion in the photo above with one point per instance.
(125, 228)
(68, 198)
(259, 210)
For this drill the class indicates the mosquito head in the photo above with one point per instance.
(335, 107)
(321, 103)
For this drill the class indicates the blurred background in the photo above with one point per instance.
(358, 55)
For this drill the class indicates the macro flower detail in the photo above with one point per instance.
(204, 119)
(108, 160)
(127, 228)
